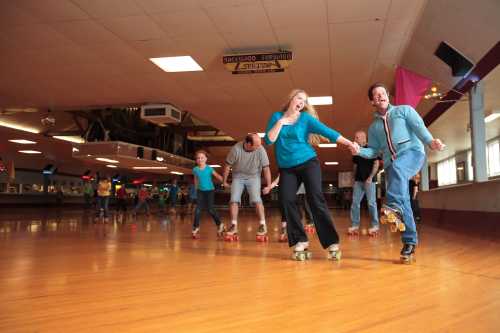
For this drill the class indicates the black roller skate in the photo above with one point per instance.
(262, 233)
(301, 252)
(408, 254)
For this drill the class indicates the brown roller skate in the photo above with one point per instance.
(393, 217)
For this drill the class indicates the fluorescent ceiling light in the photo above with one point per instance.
(23, 142)
(214, 165)
(70, 138)
(176, 173)
(149, 168)
(111, 166)
(331, 163)
(30, 151)
(327, 145)
(261, 135)
(75, 150)
(177, 64)
(148, 185)
(494, 115)
(320, 100)
(19, 127)
(159, 159)
(102, 159)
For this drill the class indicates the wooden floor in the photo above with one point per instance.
(59, 272)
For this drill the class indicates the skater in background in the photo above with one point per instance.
(191, 197)
(203, 174)
(413, 188)
(294, 130)
(142, 200)
(301, 196)
(174, 191)
(103, 194)
(247, 160)
(88, 192)
(121, 200)
(364, 172)
(400, 134)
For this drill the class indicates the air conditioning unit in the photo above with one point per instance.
(160, 113)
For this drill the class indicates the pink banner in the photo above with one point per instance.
(410, 87)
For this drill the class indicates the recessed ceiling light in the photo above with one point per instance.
(327, 145)
(111, 166)
(23, 142)
(150, 168)
(19, 127)
(331, 163)
(102, 159)
(70, 138)
(30, 151)
(75, 150)
(176, 173)
(320, 100)
(159, 159)
(177, 64)
(214, 165)
(261, 134)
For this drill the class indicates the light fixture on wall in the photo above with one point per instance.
(492, 115)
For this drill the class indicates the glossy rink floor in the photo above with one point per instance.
(60, 272)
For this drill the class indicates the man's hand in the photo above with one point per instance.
(266, 190)
(354, 148)
(436, 144)
(226, 184)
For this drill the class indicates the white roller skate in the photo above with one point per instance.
(334, 252)
(220, 230)
(196, 233)
(373, 231)
(232, 233)
(301, 252)
(353, 231)
(262, 233)
(283, 235)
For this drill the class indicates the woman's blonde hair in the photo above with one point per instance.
(314, 139)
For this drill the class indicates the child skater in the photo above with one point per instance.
(205, 192)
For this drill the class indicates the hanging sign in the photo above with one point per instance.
(257, 62)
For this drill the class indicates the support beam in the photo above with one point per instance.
(478, 132)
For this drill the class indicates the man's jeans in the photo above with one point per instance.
(359, 189)
(405, 166)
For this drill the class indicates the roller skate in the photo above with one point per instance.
(393, 217)
(220, 230)
(262, 233)
(196, 233)
(283, 235)
(334, 252)
(353, 231)
(309, 228)
(232, 234)
(301, 252)
(373, 231)
(408, 254)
